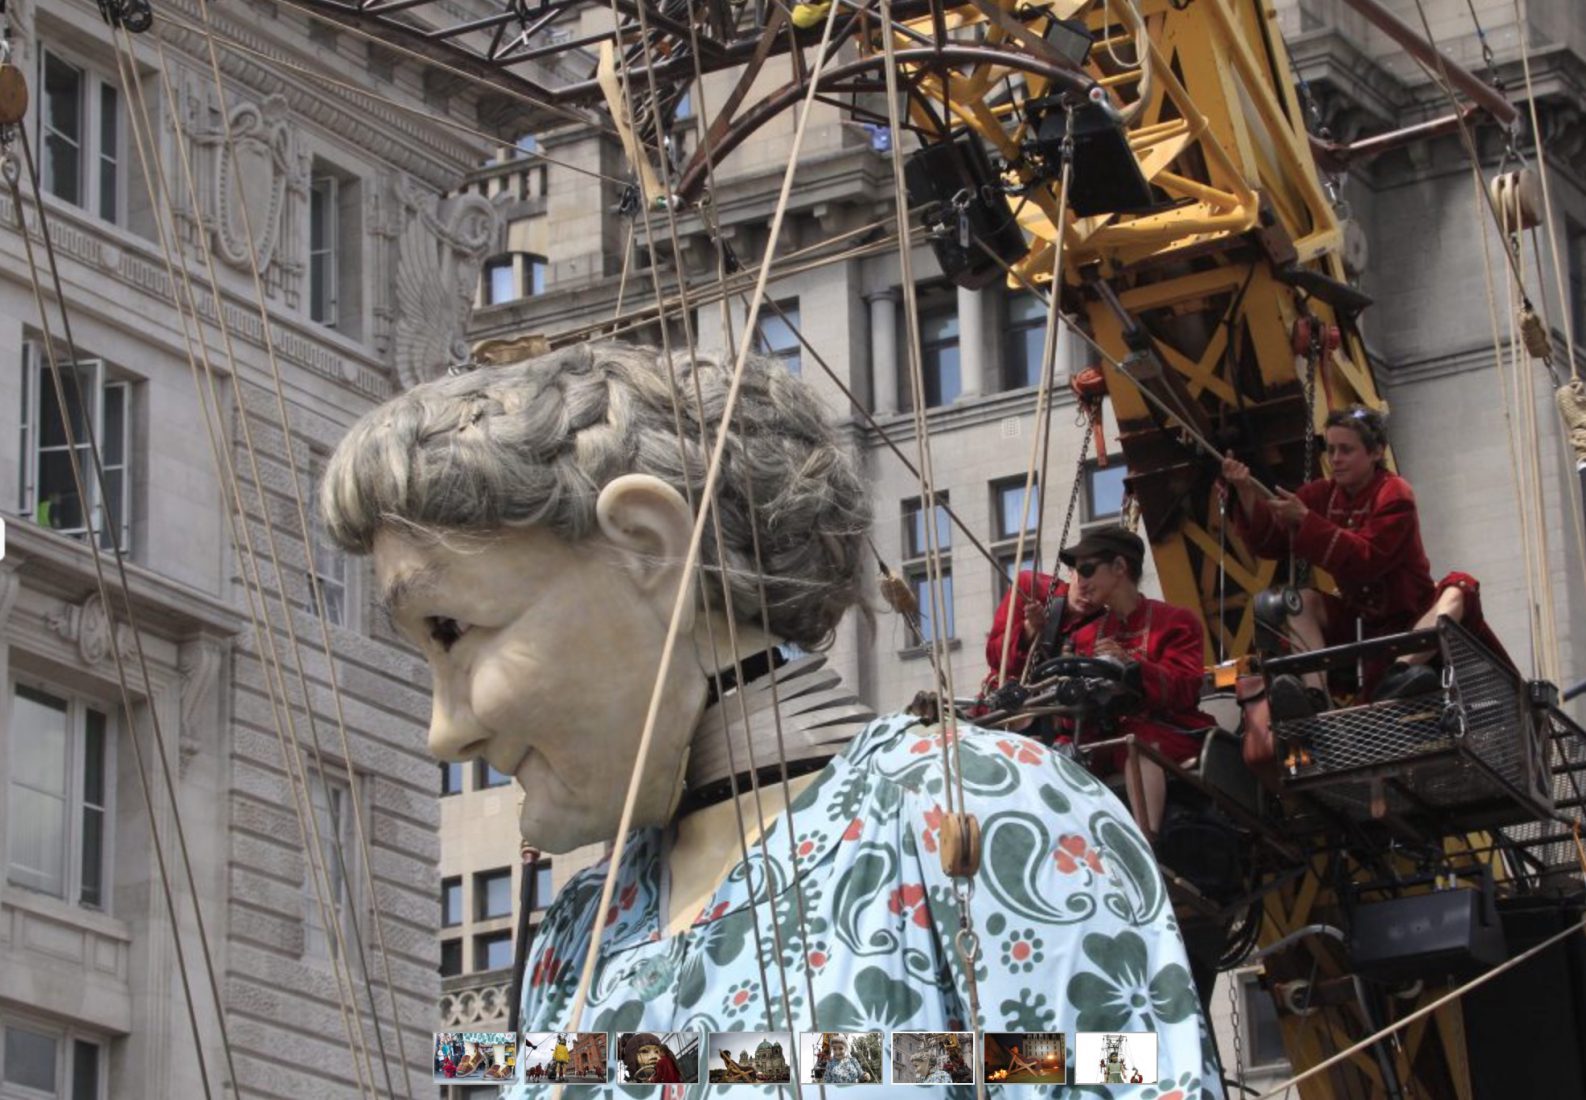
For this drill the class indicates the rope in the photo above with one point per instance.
(1424, 1010)
(157, 188)
(103, 587)
(966, 941)
(1043, 405)
(692, 557)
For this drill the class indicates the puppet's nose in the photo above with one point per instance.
(455, 734)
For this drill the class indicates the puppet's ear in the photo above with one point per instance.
(650, 524)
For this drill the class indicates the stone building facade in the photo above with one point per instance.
(290, 796)
(1429, 334)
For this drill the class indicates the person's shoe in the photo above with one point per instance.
(1404, 681)
(1290, 699)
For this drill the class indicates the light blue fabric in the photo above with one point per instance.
(1075, 927)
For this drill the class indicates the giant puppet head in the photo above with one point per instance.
(529, 525)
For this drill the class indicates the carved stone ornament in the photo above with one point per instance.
(442, 246)
(90, 627)
(262, 163)
(199, 662)
(10, 584)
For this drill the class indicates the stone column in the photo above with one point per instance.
(972, 342)
(883, 351)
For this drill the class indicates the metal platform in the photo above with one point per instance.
(1472, 755)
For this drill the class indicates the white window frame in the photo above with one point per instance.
(1093, 522)
(1006, 543)
(345, 895)
(77, 706)
(90, 151)
(65, 1065)
(791, 354)
(1250, 986)
(326, 189)
(333, 574)
(915, 567)
(36, 375)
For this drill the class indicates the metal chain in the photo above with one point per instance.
(1233, 1018)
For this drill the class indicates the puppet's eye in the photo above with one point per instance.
(443, 631)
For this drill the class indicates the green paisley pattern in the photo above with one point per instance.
(1074, 926)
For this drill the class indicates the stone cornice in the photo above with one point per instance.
(432, 151)
(137, 265)
(64, 566)
(1476, 357)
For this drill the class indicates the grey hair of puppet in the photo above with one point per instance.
(533, 443)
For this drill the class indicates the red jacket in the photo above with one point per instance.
(1369, 542)
(1031, 586)
(1168, 643)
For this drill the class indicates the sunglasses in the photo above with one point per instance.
(1087, 569)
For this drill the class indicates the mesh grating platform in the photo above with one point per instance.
(1472, 754)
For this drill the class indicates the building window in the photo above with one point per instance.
(451, 902)
(1008, 520)
(493, 951)
(779, 334)
(543, 890)
(511, 276)
(451, 958)
(322, 233)
(1023, 341)
(1264, 1035)
(331, 801)
(486, 776)
(501, 284)
(330, 578)
(451, 778)
(58, 802)
(48, 1063)
(335, 241)
(1104, 492)
(80, 119)
(48, 490)
(1576, 246)
(493, 894)
(939, 360)
(915, 569)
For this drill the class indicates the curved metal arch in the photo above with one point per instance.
(693, 178)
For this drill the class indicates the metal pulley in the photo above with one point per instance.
(13, 90)
(1518, 197)
(960, 844)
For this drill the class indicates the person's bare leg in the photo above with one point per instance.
(1153, 784)
(1309, 627)
(1450, 602)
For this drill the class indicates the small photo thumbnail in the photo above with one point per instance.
(751, 1058)
(1026, 1058)
(572, 1056)
(1115, 1058)
(840, 1058)
(933, 1058)
(475, 1056)
(658, 1058)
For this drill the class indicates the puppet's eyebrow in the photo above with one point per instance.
(405, 585)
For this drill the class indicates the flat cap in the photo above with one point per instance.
(1108, 542)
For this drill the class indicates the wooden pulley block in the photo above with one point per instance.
(960, 844)
(13, 95)
(1518, 197)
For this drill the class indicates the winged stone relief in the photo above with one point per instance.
(439, 254)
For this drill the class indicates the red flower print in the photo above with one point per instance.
(817, 959)
(933, 825)
(1020, 951)
(920, 747)
(806, 848)
(1022, 752)
(855, 827)
(1072, 850)
(740, 997)
(629, 893)
(546, 969)
(1176, 1094)
(910, 899)
(710, 915)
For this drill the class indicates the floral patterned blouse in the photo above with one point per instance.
(1076, 930)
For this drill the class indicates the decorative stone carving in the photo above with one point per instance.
(262, 164)
(199, 662)
(90, 627)
(10, 585)
(442, 246)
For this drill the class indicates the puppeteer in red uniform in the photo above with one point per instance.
(1362, 527)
